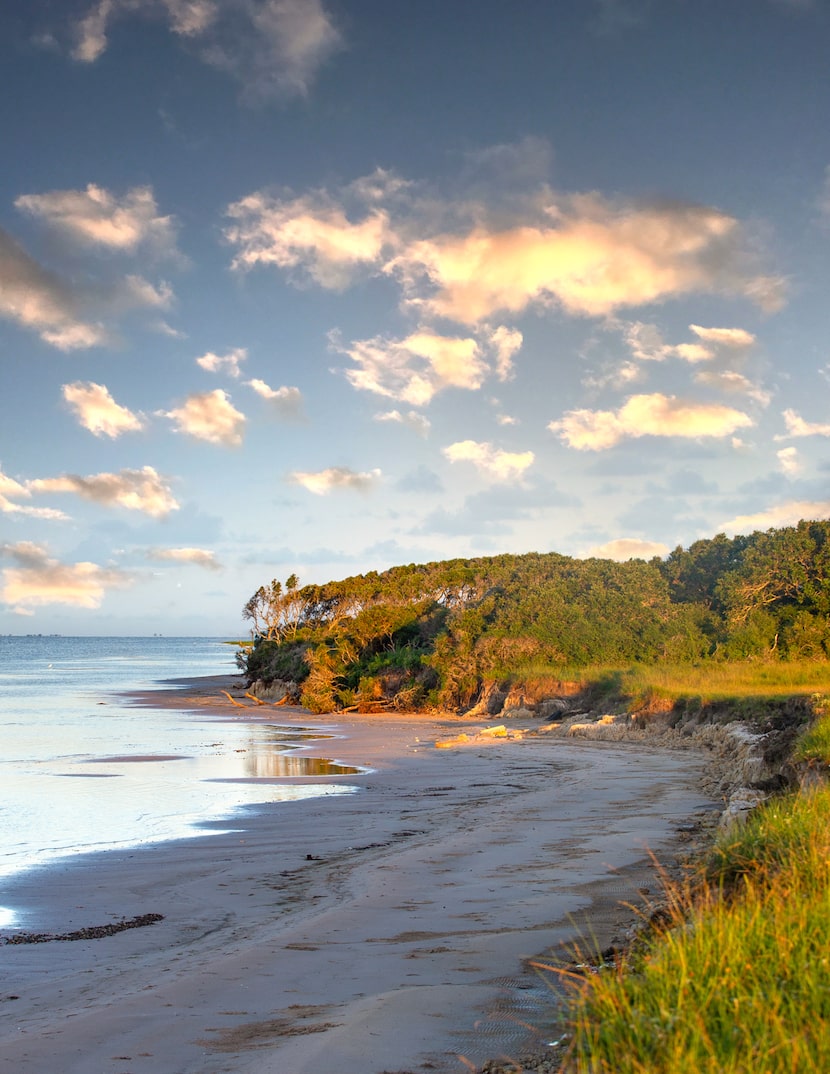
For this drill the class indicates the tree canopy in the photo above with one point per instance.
(436, 633)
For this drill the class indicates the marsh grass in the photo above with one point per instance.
(737, 979)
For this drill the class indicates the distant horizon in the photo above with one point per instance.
(197, 637)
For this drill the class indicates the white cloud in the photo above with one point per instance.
(789, 461)
(287, 401)
(625, 548)
(381, 185)
(10, 487)
(647, 415)
(463, 261)
(783, 514)
(495, 463)
(225, 363)
(63, 311)
(40, 579)
(95, 217)
(616, 376)
(200, 557)
(310, 233)
(415, 369)
(506, 419)
(735, 384)
(137, 490)
(645, 341)
(411, 418)
(72, 337)
(598, 257)
(693, 352)
(506, 343)
(12, 490)
(321, 482)
(797, 426)
(168, 330)
(735, 338)
(189, 17)
(97, 411)
(134, 292)
(38, 299)
(209, 416)
(270, 46)
(291, 40)
(91, 31)
(9, 507)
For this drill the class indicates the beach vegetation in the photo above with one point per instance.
(735, 977)
(747, 615)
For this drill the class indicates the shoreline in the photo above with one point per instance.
(352, 934)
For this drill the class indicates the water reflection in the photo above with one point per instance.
(290, 732)
(270, 754)
(285, 764)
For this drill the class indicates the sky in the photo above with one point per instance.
(326, 286)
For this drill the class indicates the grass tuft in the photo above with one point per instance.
(738, 979)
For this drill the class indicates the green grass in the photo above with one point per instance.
(728, 680)
(814, 745)
(706, 681)
(738, 982)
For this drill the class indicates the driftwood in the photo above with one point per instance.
(233, 701)
(253, 697)
(370, 707)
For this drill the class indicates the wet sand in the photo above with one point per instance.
(389, 930)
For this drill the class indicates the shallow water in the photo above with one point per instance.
(83, 769)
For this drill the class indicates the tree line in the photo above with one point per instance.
(436, 634)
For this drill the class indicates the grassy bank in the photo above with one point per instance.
(736, 980)
(707, 682)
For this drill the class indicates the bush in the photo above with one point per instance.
(269, 660)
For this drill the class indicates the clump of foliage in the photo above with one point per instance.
(738, 979)
(269, 660)
(439, 633)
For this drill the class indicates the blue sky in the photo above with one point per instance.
(320, 286)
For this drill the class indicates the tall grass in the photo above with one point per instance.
(707, 681)
(738, 982)
(727, 680)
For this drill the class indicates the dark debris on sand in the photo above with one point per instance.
(92, 932)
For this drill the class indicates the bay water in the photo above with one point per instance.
(82, 768)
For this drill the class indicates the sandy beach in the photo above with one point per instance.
(388, 930)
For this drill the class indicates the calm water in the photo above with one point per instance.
(81, 769)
